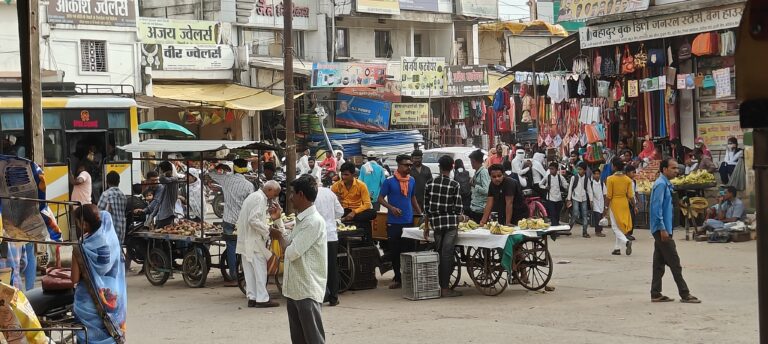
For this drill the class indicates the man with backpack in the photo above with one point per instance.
(578, 198)
(554, 186)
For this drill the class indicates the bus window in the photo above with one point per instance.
(53, 146)
(119, 135)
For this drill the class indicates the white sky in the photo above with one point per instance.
(513, 9)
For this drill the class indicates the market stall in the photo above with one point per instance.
(489, 255)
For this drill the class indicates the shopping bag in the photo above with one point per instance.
(275, 263)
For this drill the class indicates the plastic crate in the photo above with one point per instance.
(420, 275)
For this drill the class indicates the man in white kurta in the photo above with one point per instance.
(252, 236)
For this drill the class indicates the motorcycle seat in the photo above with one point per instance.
(44, 301)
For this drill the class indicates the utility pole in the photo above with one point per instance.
(290, 132)
(29, 42)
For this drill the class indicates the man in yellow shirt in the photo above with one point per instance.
(355, 199)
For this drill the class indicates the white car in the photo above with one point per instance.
(431, 156)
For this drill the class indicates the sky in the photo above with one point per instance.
(513, 10)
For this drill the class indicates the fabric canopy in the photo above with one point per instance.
(230, 96)
(182, 146)
(497, 81)
(518, 28)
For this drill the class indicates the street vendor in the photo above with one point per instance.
(355, 198)
(704, 162)
(166, 194)
(505, 197)
(730, 209)
(236, 189)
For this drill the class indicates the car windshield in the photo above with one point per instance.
(432, 157)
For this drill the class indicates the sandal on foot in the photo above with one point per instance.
(690, 299)
(601, 235)
(616, 252)
(585, 235)
(629, 247)
(662, 298)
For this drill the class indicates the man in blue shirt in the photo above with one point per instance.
(398, 196)
(372, 174)
(665, 251)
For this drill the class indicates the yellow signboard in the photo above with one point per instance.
(410, 114)
(422, 77)
(378, 6)
(716, 134)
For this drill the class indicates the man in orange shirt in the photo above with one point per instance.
(355, 199)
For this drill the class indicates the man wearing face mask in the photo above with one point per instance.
(521, 167)
(732, 156)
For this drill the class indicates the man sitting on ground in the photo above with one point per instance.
(730, 209)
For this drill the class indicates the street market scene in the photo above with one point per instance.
(312, 171)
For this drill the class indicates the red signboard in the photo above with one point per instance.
(85, 121)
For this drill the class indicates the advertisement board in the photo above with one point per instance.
(378, 6)
(390, 92)
(410, 114)
(187, 57)
(93, 12)
(172, 31)
(334, 74)
(467, 80)
(478, 8)
(585, 9)
(422, 77)
(362, 113)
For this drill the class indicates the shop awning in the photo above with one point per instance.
(230, 96)
(497, 81)
(544, 60)
(276, 63)
(184, 146)
(148, 102)
(517, 28)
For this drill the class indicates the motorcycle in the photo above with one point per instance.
(217, 200)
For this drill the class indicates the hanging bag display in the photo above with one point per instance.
(684, 53)
(598, 63)
(708, 82)
(603, 88)
(641, 58)
(657, 58)
(609, 68)
(698, 81)
(628, 61)
(671, 73)
(705, 44)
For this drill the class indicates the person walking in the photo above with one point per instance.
(398, 197)
(619, 197)
(442, 212)
(481, 181)
(252, 235)
(113, 201)
(664, 249)
(578, 198)
(554, 186)
(306, 254)
(596, 191)
(330, 209)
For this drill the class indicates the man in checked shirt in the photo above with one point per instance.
(443, 211)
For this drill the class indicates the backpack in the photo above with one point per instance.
(575, 182)
(563, 190)
(463, 179)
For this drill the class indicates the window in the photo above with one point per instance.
(117, 138)
(53, 146)
(417, 52)
(342, 42)
(298, 44)
(383, 45)
(93, 56)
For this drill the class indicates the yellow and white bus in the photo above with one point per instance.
(73, 126)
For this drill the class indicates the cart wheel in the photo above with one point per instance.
(157, 267)
(218, 205)
(224, 267)
(346, 268)
(485, 270)
(532, 265)
(240, 274)
(194, 268)
(456, 274)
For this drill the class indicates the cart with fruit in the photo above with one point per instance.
(480, 252)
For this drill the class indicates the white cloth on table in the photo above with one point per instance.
(480, 237)
(255, 270)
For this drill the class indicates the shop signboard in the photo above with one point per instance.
(362, 113)
(378, 6)
(440, 6)
(478, 8)
(172, 31)
(422, 77)
(716, 134)
(585, 9)
(390, 92)
(678, 24)
(410, 114)
(467, 80)
(333, 74)
(269, 14)
(121, 13)
(187, 57)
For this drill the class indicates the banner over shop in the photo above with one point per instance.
(585, 9)
(410, 114)
(269, 14)
(422, 77)
(362, 113)
(478, 8)
(378, 6)
(390, 92)
(467, 80)
(171, 31)
(348, 74)
(440, 6)
(187, 57)
(93, 12)
(678, 24)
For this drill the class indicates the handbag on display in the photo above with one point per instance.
(705, 44)
(598, 63)
(603, 88)
(609, 68)
(698, 81)
(671, 73)
(684, 53)
(708, 82)
(628, 61)
(657, 58)
(641, 58)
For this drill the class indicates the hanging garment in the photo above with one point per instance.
(462, 130)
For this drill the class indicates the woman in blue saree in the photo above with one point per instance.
(103, 258)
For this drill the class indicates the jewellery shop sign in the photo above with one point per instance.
(171, 31)
(187, 56)
(93, 12)
(672, 25)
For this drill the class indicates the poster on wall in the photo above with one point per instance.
(172, 31)
(467, 80)
(422, 77)
(93, 12)
(440, 6)
(333, 74)
(585, 9)
(716, 134)
(678, 24)
(269, 14)
(390, 92)
(187, 57)
(378, 6)
(362, 113)
(478, 8)
(410, 114)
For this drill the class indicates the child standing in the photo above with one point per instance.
(596, 192)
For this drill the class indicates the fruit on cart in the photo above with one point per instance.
(699, 177)
(501, 229)
(468, 226)
(344, 228)
(644, 187)
(532, 224)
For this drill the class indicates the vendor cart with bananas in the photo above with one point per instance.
(496, 256)
(159, 249)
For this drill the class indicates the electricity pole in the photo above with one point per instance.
(31, 93)
(290, 132)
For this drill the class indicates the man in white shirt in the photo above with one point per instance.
(518, 167)
(303, 165)
(596, 191)
(578, 198)
(330, 209)
(538, 164)
(312, 168)
(306, 255)
(554, 186)
(252, 235)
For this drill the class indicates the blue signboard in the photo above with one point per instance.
(362, 113)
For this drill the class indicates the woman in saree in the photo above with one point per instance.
(101, 254)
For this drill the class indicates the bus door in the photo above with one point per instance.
(88, 146)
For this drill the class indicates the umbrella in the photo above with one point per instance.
(165, 128)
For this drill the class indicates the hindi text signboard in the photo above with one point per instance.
(187, 57)
(120, 13)
(172, 31)
(467, 80)
(422, 77)
(410, 113)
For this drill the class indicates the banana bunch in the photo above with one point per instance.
(288, 218)
(468, 226)
(532, 224)
(500, 229)
(344, 228)
(644, 187)
(698, 177)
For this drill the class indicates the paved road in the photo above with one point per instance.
(599, 298)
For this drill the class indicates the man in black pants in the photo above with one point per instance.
(354, 197)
